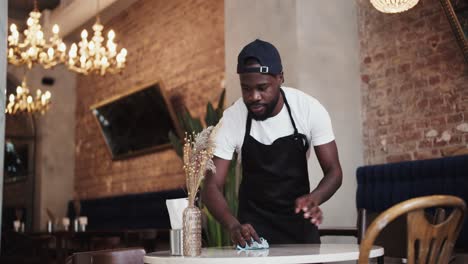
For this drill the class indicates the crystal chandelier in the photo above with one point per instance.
(393, 6)
(93, 56)
(34, 48)
(24, 102)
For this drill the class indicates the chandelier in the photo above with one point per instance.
(393, 6)
(34, 48)
(93, 56)
(24, 102)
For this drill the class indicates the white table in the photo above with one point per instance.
(301, 253)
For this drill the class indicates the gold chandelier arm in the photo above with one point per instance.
(94, 56)
(23, 102)
(33, 48)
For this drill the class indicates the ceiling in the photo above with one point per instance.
(19, 9)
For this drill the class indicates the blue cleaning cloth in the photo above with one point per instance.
(255, 245)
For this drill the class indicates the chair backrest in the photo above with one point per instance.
(112, 256)
(382, 186)
(427, 243)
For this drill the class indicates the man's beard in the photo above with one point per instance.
(269, 108)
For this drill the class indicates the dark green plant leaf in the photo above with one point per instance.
(188, 112)
(221, 100)
(220, 108)
(214, 230)
(211, 117)
(190, 124)
(176, 143)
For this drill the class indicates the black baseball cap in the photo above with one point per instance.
(265, 53)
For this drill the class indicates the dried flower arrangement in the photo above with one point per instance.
(197, 157)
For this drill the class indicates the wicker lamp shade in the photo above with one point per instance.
(393, 6)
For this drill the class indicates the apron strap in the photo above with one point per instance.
(248, 125)
(289, 112)
(296, 133)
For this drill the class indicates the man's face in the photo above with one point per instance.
(261, 93)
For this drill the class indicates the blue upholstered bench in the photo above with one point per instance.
(126, 212)
(382, 186)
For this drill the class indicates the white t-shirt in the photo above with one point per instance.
(310, 116)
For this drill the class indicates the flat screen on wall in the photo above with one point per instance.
(137, 122)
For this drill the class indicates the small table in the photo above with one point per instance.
(300, 253)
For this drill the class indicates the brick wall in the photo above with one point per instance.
(178, 42)
(414, 84)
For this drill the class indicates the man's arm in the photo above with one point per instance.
(213, 198)
(327, 155)
(212, 193)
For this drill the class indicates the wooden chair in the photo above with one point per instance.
(111, 256)
(427, 243)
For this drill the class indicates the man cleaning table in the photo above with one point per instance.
(271, 127)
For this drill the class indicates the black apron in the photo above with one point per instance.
(273, 176)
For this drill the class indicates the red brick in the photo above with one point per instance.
(419, 24)
(425, 51)
(425, 143)
(404, 68)
(419, 45)
(395, 109)
(409, 146)
(434, 80)
(434, 58)
(440, 143)
(426, 154)
(438, 101)
(433, 41)
(379, 56)
(394, 129)
(456, 118)
(390, 72)
(408, 126)
(438, 121)
(461, 108)
(421, 124)
(455, 140)
(381, 131)
(420, 83)
(422, 104)
(453, 99)
(399, 157)
(406, 87)
(365, 78)
(380, 112)
(406, 137)
(165, 38)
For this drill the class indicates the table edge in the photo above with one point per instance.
(376, 251)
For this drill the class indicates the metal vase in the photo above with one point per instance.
(192, 231)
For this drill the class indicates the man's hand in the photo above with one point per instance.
(310, 207)
(327, 155)
(243, 234)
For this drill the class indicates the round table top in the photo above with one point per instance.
(298, 253)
